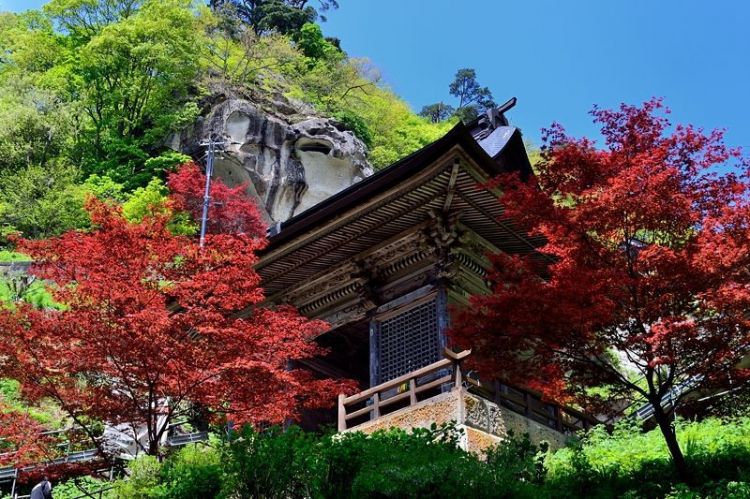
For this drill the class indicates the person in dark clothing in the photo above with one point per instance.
(42, 490)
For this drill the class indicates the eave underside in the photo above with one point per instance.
(445, 192)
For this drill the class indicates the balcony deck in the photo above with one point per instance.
(440, 392)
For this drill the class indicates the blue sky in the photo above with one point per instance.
(559, 57)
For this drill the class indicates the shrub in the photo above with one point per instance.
(276, 463)
(272, 463)
(194, 471)
(604, 465)
(78, 487)
(144, 480)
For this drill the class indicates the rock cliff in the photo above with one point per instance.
(288, 160)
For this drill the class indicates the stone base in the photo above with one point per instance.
(484, 423)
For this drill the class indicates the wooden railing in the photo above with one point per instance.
(561, 418)
(444, 374)
(405, 389)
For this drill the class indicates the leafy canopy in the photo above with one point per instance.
(152, 323)
(472, 99)
(646, 252)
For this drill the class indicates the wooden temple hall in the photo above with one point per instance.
(383, 261)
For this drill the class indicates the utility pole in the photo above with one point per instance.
(211, 145)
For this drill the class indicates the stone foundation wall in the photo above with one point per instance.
(488, 417)
(484, 423)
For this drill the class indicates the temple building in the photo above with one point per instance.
(385, 260)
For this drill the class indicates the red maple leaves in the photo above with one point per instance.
(153, 323)
(21, 439)
(646, 264)
(231, 210)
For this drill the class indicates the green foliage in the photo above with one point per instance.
(273, 463)
(47, 201)
(355, 124)
(194, 471)
(153, 198)
(280, 16)
(104, 90)
(472, 99)
(12, 256)
(277, 463)
(105, 188)
(144, 479)
(603, 465)
(166, 162)
(437, 112)
(45, 412)
(79, 487)
(41, 201)
(135, 79)
(37, 126)
(314, 45)
(518, 465)
(426, 463)
(83, 19)
(145, 200)
(35, 293)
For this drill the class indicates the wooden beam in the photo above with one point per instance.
(451, 185)
(456, 356)
(430, 172)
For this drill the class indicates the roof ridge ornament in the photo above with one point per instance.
(492, 119)
(496, 115)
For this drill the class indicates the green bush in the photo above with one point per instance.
(604, 465)
(392, 463)
(276, 463)
(272, 463)
(194, 471)
(77, 487)
(144, 480)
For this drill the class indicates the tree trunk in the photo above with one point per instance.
(153, 448)
(670, 437)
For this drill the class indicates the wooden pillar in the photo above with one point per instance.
(527, 404)
(374, 354)
(342, 413)
(443, 318)
(558, 418)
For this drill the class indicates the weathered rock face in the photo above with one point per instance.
(289, 166)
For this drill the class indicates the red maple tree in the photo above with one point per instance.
(22, 440)
(232, 211)
(645, 285)
(151, 323)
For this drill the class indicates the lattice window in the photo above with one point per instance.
(408, 341)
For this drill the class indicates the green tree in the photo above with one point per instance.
(154, 198)
(42, 201)
(83, 19)
(36, 126)
(281, 16)
(437, 112)
(472, 98)
(136, 82)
